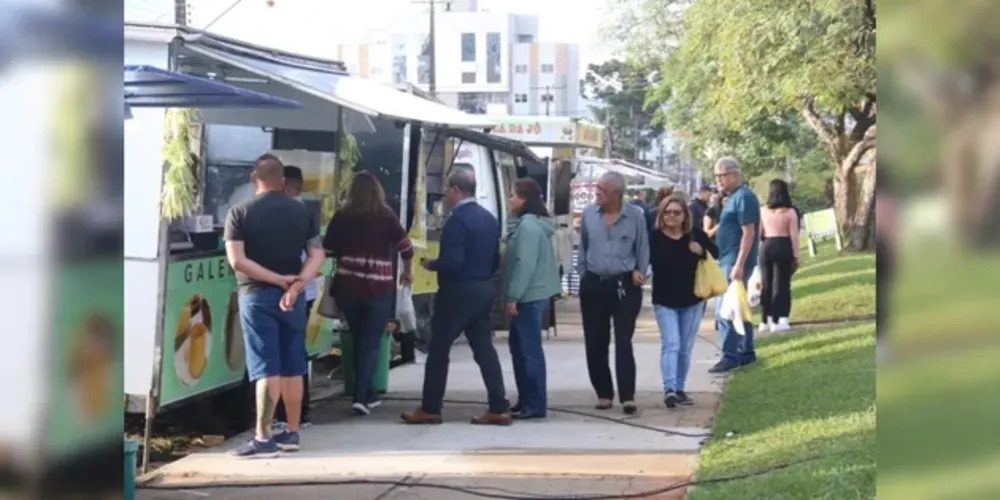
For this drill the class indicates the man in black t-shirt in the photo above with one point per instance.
(699, 205)
(265, 237)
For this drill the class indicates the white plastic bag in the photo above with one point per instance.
(735, 307)
(406, 313)
(754, 287)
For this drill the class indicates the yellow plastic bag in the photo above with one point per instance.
(708, 279)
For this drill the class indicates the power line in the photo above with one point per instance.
(223, 14)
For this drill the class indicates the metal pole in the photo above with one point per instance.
(181, 12)
(548, 99)
(432, 83)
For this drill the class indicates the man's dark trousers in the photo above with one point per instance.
(463, 307)
(602, 305)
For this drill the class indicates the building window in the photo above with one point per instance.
(525, 39)
(548, 68)
(520, 97)
(399, 60)
(493, 58)
(468, 77)
(424, 60)
(520, 68)
(468, 47)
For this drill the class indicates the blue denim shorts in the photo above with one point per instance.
(275, 340)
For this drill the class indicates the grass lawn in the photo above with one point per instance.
(812, 394)
(832, 286)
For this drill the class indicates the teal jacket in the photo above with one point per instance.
(530, 270)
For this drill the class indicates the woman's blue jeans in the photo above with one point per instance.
(678, 330)
(528, 357)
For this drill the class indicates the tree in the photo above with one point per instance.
(947, 59)
(741, 66)
(621, 88)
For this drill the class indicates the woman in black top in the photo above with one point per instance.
(676, 247)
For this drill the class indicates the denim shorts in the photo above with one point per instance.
(275, 340)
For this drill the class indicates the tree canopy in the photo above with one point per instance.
(742, 65)
(621, 88)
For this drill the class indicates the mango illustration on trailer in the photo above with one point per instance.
(192, 338)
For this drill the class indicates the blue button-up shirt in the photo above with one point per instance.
(609, 251)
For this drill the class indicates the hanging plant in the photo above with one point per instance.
(178, 196)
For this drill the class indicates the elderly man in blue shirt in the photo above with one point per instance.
(613, 259)
(737, 237)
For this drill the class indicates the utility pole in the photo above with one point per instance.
(181, 12)
(547, 97)
(432, 57)
(432, 43)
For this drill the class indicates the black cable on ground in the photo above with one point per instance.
(579, 413)
(491, 492)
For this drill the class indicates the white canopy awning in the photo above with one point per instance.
(623, 167)
(364, 96)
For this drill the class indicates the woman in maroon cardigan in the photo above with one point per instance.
(365, 236)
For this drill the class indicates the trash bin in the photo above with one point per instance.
(381, 379)
(131, 448)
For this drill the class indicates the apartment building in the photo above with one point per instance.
(485, 61)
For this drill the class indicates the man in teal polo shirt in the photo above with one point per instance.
(737, 238)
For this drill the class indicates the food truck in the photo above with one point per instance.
(182, 334)
(560, 140)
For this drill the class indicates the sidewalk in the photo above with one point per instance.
(576, 452)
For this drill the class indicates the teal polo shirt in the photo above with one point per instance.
(742, 207)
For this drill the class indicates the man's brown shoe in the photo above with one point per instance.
(489, 418)
(419, 416)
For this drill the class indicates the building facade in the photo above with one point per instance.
(486, 62)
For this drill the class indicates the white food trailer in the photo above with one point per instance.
(182, 337)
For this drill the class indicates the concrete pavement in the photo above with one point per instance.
(576, 451)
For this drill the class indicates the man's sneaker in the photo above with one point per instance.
(764, 327)
(277, 427)
(287, 441)
(305, 423)
(683, 399)
(723, 367)
(360, 409)
(257, 449)
(374, 404)
(670, 398)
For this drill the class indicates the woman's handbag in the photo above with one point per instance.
(709, 281)
(327, 304)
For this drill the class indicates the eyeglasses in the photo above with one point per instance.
(673, 213)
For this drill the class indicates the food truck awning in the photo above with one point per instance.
(149, 86)
(514, 148)
(623, 167)
(364, 96)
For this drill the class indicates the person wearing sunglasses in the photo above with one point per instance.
(676, 246)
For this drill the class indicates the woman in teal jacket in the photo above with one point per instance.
(532, 279)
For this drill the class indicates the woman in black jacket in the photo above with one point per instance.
(676, 246)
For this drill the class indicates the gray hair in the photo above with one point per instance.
(616, 180)
(463, 181)
(728, 164)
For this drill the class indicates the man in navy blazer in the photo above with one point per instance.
(466, 263)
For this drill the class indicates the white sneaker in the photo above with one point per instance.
(374, 404)
(360, 409)
(782, 325)
(764, 327)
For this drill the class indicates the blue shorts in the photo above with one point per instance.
(274, 339)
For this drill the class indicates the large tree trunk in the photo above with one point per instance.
(852, 152)
(967, 106)
(854, 196)
(971, 161)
